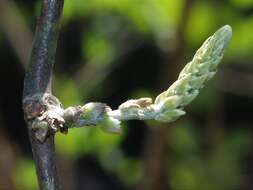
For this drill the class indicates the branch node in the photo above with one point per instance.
(44, 112)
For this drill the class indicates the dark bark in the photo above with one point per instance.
(37, 82)
(39, 73)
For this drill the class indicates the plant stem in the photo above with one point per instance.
(38, 81)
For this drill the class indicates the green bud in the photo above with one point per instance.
(193, 76)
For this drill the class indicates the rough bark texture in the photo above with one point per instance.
(38, 81)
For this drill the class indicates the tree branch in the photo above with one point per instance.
(44, 113)
(37, 82)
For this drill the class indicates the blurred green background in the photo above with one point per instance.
(113, 50)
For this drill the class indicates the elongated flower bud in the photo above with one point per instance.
(169, 105)
(193, 76)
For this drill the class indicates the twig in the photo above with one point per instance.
(38, 81)
(167, 107)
